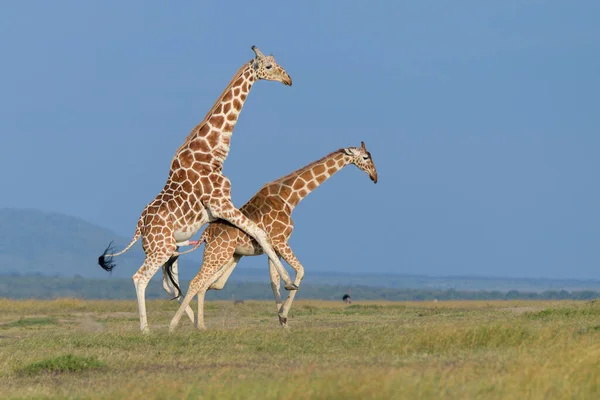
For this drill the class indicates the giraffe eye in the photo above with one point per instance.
(365, 157)
(268, 66)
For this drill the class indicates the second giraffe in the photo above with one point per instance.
(271, 208)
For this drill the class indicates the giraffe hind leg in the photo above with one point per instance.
(275, 285)
(198, 286)
(216, 260)
(283, 248)
(227, 270)
(141, 278)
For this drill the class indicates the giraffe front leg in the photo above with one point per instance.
(275, 285)
(234, 216)
(170, 288)
(288, 255)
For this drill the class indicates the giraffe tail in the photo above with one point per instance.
(174, 257)
(105, 260)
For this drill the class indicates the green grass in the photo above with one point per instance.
(25, 322)
(370, 350)
(63, 364)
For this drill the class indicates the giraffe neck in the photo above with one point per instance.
(296, 186)
(211, 138)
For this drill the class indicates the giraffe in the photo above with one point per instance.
(271, 208)
(197, 191)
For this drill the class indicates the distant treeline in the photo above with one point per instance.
(43, 287)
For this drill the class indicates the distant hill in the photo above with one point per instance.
(34, 241)
(54, 244)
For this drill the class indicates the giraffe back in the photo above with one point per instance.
(268, 211)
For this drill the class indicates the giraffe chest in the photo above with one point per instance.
(248, 251)
(246, 246)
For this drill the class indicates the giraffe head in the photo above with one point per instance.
(361, 157)
(265, 67)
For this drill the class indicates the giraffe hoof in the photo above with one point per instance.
(283, 321)
(293, 286)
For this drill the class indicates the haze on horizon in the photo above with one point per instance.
(482, 119)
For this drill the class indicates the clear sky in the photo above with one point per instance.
(483, 119)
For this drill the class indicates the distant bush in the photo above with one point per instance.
(24, 287)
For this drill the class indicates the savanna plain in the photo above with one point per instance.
(70, 348)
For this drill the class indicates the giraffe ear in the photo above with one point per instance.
(348, 152)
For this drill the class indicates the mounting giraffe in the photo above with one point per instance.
(196, 191)
(271, 208)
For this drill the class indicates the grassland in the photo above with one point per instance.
(70, 348)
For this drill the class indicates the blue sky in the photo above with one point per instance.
(482, 118)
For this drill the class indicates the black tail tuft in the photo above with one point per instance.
(105, 261)
(168, 267)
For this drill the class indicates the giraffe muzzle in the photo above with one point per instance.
(287, 80)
